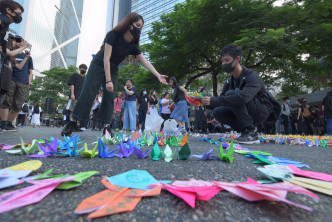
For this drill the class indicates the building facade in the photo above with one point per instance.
(151, 10)
(120, 8)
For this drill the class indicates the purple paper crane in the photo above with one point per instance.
(206, 156)
(52, 147)
(124, 151)
(140, 154)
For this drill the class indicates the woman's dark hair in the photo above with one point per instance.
(130, 81)
(142, 90)
(124, 25)
(166, 94)
(37, 104)
(150, 94)
(175, 82)
(12, 5)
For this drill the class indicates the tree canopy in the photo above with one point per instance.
(288, 45)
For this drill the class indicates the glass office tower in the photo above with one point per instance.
(151, 10)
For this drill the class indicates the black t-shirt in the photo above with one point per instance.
(132, 97)
(77, 80)
(178, 95)
(4, 32)
(327, 102)
(120, 48)
(22, 75)
(152, 101)
(143, 102)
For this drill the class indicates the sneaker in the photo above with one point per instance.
(77, 128)
(83, 128)
(68, 129)
(109, 129)
(248, 137)
(8, 126)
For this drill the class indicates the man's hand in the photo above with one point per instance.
(27, 53)
(206, 100)
(72, 97)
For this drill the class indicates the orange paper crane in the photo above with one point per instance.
(161, 142)
(114, 200)
(184, 140)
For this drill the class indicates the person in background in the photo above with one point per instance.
(160, 105)
(117, 110)
(142, 103)
(95, 109)
(180, 112)
(22, 115)
(285, 114)
(327, 109)
(76, 83)
(166, 104)
(11, 12)
(306, 112)
(35, 115)
(129, 115)
(19, 85)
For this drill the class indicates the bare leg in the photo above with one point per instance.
(4, 114)
(12, 115)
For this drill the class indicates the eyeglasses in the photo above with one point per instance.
(18, 40)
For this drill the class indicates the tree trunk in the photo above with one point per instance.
(215, 83)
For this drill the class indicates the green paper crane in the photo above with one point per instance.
(262, 160)
(184, 152)
(79, 177)
(168, 154)
(229, 155)
(180, 138)
(174, 142)
(323, 143)
(89, 153)
(142, 141)
(155, 153)
(25, 150)
(150, 141)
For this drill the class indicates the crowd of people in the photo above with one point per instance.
(244, 104)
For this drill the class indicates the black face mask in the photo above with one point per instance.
(83, 71)
(17, 18)
(228, 67)
(136, 32)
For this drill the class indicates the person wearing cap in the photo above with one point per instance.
(11, 12)
(18, 86)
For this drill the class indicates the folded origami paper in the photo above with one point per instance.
(135, 179)
(286, 162)
(77, 181)
(184, 140)
(155, 153)
(161, 142)
(25, 150)
(150, 141)
(276, 174)
(124, 151)
(244, 152)
(253, 191)
(311, 174)
(70, 152)
(27, 165)
(311, 184)
(229, 155)
(89, 153)
(168, 154)
(174, 142)
(140, 154)
(184, 152)
(10, 178)
(206, 156)
(47, 149)
(29, 195)
(103, 151)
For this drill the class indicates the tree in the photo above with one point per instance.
(186, 43)
(53, 85)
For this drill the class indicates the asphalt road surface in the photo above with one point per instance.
(60, 205)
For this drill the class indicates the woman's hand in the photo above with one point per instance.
(109, 87)
(162, 79)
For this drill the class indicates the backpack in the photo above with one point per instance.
(25, 108)
(306, 112)
(276, 109)
(35, 110)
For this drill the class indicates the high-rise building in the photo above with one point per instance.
(151, 10)
(120, 8)
(52, 27)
